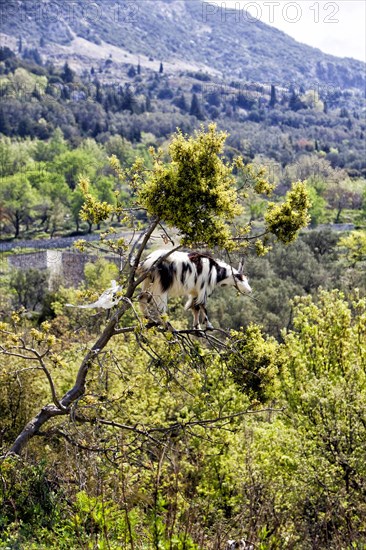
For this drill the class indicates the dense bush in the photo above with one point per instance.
(291, 476)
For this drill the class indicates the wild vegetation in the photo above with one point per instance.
(114, 435)
(264, 441)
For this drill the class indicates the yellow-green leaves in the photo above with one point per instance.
(193, 189)
(286, 219)
(195, 192)
(354, 246)
(252, 361)
(253, 177)
(93, 210)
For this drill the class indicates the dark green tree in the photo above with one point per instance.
(273, 100)
(98, 92)
(30, 287)
(6, 53)
(18, 199)
(181, 102)
(131, 73)
(295, 103)
(196, 109)
(67, 73)
(5, 127)
(148, 103)
(129, 101)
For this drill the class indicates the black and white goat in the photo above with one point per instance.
(185, 274)
(241, 544)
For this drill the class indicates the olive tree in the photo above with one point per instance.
(191, 189)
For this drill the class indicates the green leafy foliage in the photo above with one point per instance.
(282, 465)
(18, 199)
(99, 274)
(253, 363)
(354, 247)
(286, 219)
(29, 488)
(195, 192)
(324, 383)
(93, 210)
(29, 288)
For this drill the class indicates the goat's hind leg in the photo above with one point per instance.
(196, 310)
(149, 309)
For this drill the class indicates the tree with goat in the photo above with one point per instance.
(191, 196)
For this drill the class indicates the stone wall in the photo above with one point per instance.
(73, 264)
(35, 260)
(67, 266)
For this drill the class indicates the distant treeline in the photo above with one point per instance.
(280, 123)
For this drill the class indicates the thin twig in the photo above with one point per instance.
(142, 246)
(125, 329)
(36, 357)
(114, 424)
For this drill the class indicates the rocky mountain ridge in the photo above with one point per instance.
(184, 34)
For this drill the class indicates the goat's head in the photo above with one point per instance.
(235, 277)
(242, 281)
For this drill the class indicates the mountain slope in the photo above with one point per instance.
(181, 33)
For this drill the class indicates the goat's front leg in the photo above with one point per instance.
(146, 305)
(206, 321)
(162, 306)
(196, 316)
(154, 308)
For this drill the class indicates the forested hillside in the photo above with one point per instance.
(229, 42)
(57, 125)
(121, 432)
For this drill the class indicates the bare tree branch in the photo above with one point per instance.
(36, 357)
(142, 246)
(62, 407)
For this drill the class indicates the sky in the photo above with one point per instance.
(338, 28)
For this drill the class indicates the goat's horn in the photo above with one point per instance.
(241, 264)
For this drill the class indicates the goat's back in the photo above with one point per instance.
(180, 274)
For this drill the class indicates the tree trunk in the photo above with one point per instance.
(31, 429)
(16, 226)
(338, 216)
(50, 411)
